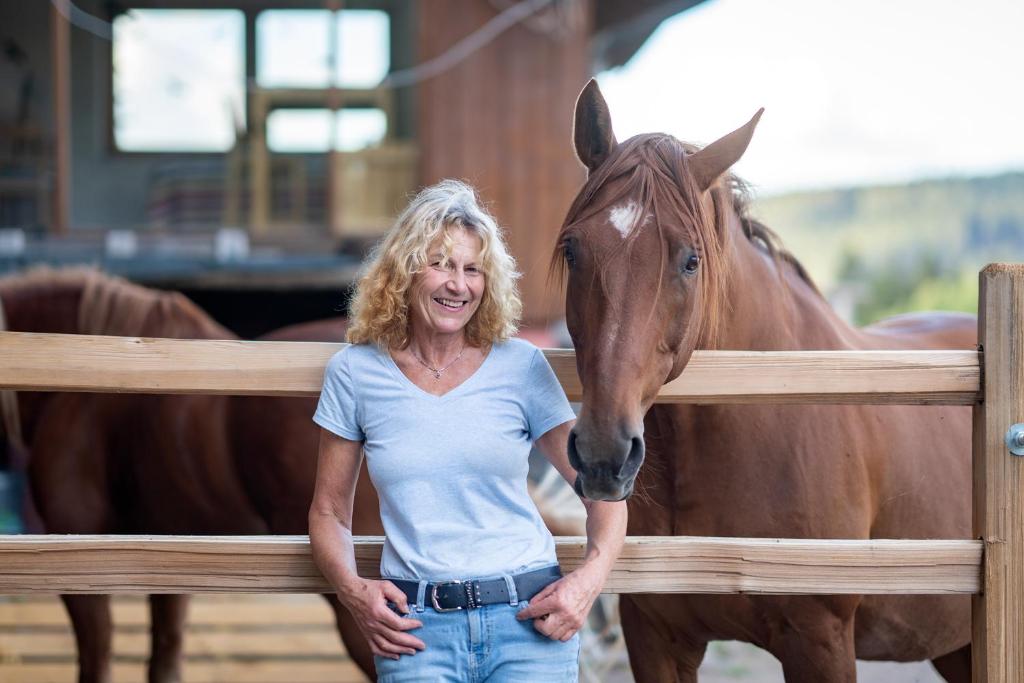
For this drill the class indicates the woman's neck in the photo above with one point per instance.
(434, 347)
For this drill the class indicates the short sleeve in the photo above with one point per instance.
(546, 404)
(338, 409)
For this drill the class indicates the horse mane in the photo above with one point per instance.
(111, 305)
(656, 170)
(759, 233)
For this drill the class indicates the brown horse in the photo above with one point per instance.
(108, 463)
(662, 259)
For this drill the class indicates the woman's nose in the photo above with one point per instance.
(457, 281)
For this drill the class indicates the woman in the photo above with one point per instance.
(446, 405)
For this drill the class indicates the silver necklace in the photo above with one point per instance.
(435, 371)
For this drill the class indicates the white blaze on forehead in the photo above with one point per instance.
(625, 216)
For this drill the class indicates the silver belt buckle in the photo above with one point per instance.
(433, 595)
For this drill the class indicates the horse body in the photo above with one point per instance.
(281, 434)
(123, 464)
(691, 270)
(807, 472)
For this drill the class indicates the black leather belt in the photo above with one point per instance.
(449, 596)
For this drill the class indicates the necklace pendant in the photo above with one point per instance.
(437, 374)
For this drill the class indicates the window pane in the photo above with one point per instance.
(179, 80)
(359, 128)
(299, 130)
(364, 46)
(308, 130)
(292, 48)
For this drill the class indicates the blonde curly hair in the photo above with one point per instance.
(379, 312)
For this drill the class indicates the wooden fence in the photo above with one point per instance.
(990, 568)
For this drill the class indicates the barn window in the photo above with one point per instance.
(293, 48)
(309, 130)
(178, 80)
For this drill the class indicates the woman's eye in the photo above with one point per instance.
(691, 265)
(570, 257)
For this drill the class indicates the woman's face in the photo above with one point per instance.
(445, 294)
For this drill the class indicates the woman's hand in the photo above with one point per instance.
(385, 631)
(330, 536)
(560, 610)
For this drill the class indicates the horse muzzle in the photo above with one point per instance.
(611, 476)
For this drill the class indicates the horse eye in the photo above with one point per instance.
(570, 257)
(691, 264)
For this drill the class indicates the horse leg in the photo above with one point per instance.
(67, 473)
(93, 626)
(815, 644)
(955, 666)
(653, 657)
(167, 615)
(354, 640)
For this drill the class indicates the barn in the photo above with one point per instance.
(186, 144)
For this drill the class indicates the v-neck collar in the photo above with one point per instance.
(458, 388)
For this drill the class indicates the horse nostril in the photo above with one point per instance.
(577, 486)
(635, 457)
(574, 456)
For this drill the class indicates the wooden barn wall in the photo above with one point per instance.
(502, 119)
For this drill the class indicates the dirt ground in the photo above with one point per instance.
(733, 662)
(729, 662)
(604, 659)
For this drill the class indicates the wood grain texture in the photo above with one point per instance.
(267, 564)
(998, 619)
(208, 612)
(129, 364)
(198, 672)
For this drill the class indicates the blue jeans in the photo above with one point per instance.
(483, 644)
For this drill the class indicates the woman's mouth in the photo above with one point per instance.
(450, 304)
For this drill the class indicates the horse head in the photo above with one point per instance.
(643, 248)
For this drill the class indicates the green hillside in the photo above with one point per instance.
(903, 247)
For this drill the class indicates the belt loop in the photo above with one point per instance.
(513, 597)
(421, 593)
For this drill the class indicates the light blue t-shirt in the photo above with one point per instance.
(450, 470)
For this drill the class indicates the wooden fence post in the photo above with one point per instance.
(998, 612)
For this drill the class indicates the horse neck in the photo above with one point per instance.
(769, 306)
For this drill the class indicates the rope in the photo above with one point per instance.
(453, 56)
(465, 47)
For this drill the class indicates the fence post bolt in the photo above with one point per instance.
(1015, 439)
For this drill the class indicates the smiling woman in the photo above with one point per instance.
(445, 406)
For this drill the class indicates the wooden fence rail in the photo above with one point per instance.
(648, 564)
(66, 362)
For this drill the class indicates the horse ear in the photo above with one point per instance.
(592, 131)
(709, 163)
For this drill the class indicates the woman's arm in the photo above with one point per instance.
(330, 535)
(560, 609)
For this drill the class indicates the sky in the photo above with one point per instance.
(855, 92)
